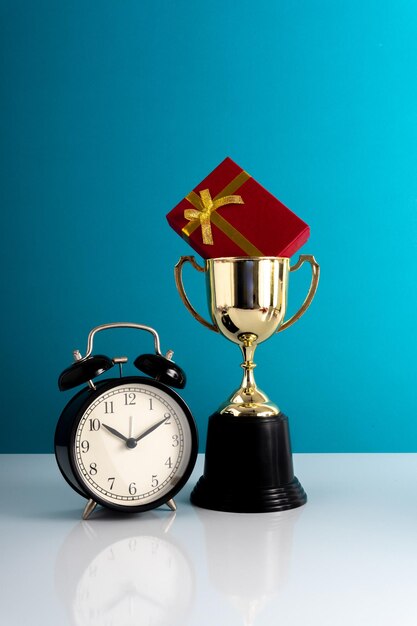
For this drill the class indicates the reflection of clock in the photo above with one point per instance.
(139, 579)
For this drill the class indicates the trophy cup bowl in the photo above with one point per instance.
(248, 463)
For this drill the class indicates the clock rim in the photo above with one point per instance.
(82, 400)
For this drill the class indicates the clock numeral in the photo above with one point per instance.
(93, 469)
(168, 462)
(94, 424)
(155, 481)
(150, 404)
(175, 441)
(132, 489)
(132, 544)
(108, 407)
(167, 417)
(85, 445)
(111, 481)
(130, 398)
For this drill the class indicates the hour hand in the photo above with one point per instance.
(115, 432)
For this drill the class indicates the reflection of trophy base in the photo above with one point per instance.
(248, 466)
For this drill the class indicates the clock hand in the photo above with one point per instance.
(115, 432)
(151, 429)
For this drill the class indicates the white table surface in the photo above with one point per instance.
(348, 557)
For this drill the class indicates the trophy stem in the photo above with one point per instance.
(248, 347)
(249, 399)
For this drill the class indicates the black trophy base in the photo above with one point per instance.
(248, 466)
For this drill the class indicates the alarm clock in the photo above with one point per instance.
(127, 443)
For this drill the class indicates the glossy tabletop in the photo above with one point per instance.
(347, 557)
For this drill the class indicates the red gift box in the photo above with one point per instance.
(230, 214)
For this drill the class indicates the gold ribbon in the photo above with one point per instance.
(203, 213)
(204, 216)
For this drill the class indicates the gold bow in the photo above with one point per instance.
(203, 214)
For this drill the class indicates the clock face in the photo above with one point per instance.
(132, 445)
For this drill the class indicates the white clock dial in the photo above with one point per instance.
(132, 445)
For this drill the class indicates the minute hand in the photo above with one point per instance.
(151, 429)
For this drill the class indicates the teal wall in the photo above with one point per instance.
(112, 111)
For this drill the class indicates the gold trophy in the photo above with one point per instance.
(248, 463)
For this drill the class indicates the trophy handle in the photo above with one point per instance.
(181, 290)
(315, 268)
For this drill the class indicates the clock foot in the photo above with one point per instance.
(171, 504)
(89, 508)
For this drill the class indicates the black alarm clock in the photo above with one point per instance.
(127, 443)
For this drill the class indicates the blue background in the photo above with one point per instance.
(112, 111)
